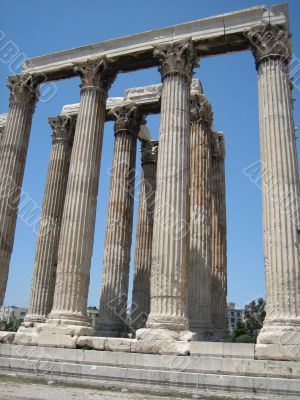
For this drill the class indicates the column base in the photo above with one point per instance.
(167, 322)
(279, 342)
(32, 320)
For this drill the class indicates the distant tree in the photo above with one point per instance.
(13, 326)
(254, 317)
(239, 330)
(244, 339)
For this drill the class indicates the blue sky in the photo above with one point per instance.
(230, 84)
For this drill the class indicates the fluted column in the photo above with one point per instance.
(23, 96)
(44, 272)
(170, 251)
(78, 222)
(219, 239)
(200, 219)
(280, 336)
(116, 261)
(144, 233)
(1, 133)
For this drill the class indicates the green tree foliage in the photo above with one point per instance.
(244, 339)
(239, 330)
(254, 317)
(13, 326)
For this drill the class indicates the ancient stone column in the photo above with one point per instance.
(78, 222)
(44, 272)
(1, 133)
(199, 293)
(23, 97)
(280, 336)
(170, 251)
(219, 239)
(116, 262)
(144, 233)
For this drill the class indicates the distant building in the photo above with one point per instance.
(92, 313)
(13, 313)
(234, 315)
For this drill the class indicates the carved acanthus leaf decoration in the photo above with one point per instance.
(96, 74)
(63, 127)
(23, 88)
(177, 59)
(127, 118)
(269, 41)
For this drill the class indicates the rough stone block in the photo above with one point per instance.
(26, 338)
(171, 347)
(56, 340)
(277, 351)
(72, 330)
(222, 349)
(7, 337)
(91, 342)
(163, 334)
(118, 344)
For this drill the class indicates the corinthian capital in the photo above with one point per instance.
(127, 118)
(149, 151)
(200, 110)
(96, 74)
(23, 88)
(269, 41)
(177, 59)
(63, 128)
(218, 145)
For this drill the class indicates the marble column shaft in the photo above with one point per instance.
(280, 336)
(200, 218)
(219, 238)
(44, 272)
(170, 251)
(1, 133)
(116, 262)
(23, 96)
(144, 234)
(78, 222)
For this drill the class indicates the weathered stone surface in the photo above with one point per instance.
(140, 307)
(23, 96)
(169, 270)
(63, 329)
(170, 374)
(226, 350)
(116, 344)
(219, 239)
(200, 232)
(163, 334)
(277, 351)
(117, 247)
(135, 51)
(56, 340)
(163, 346)
(78, 222)
(44, 272)
(7, 337)
(26, 337)
(280, 192)
(92, 342)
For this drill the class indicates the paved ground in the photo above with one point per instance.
(13, 389)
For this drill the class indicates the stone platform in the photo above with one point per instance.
(212, 372)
